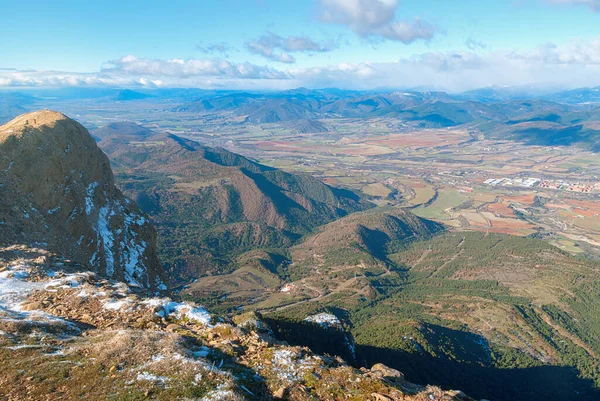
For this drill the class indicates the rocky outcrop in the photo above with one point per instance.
(57, 192)
(68, 334)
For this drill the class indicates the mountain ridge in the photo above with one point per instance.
(221, 200)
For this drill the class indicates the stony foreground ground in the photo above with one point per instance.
(67, 334)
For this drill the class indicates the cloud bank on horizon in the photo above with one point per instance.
(270, 60)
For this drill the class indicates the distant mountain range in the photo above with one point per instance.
(127, 94)
(523, 114)
(564, 118)
(13, 104)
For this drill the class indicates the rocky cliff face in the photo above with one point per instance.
(57, 192)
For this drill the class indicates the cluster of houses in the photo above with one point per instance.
(547, 184)
(513, 182)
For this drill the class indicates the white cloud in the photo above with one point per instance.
(574, 64)
(131, 71)
(117, 79)
(278, 48)
(31, 78)
(576, 52)
(178, 68)
(270, 53)
(570, 66)
(215, 48)
(448, 71)
(474, 44)
(375, 19)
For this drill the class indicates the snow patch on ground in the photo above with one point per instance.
(89, 198)
(20, 274)
(133, 250)
(107, 237)
(25, 346)
(14, 290)
(115, 305)
(122, 245)
(326, 320)
(289, 365)
(151, 377)
(181, 310)
(201, 353)
(54, 210)
(219, 394)
(73, 280)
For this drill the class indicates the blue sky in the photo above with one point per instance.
(452, 45)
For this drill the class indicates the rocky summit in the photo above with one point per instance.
(57, 192)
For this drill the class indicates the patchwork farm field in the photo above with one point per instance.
(441, 174)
